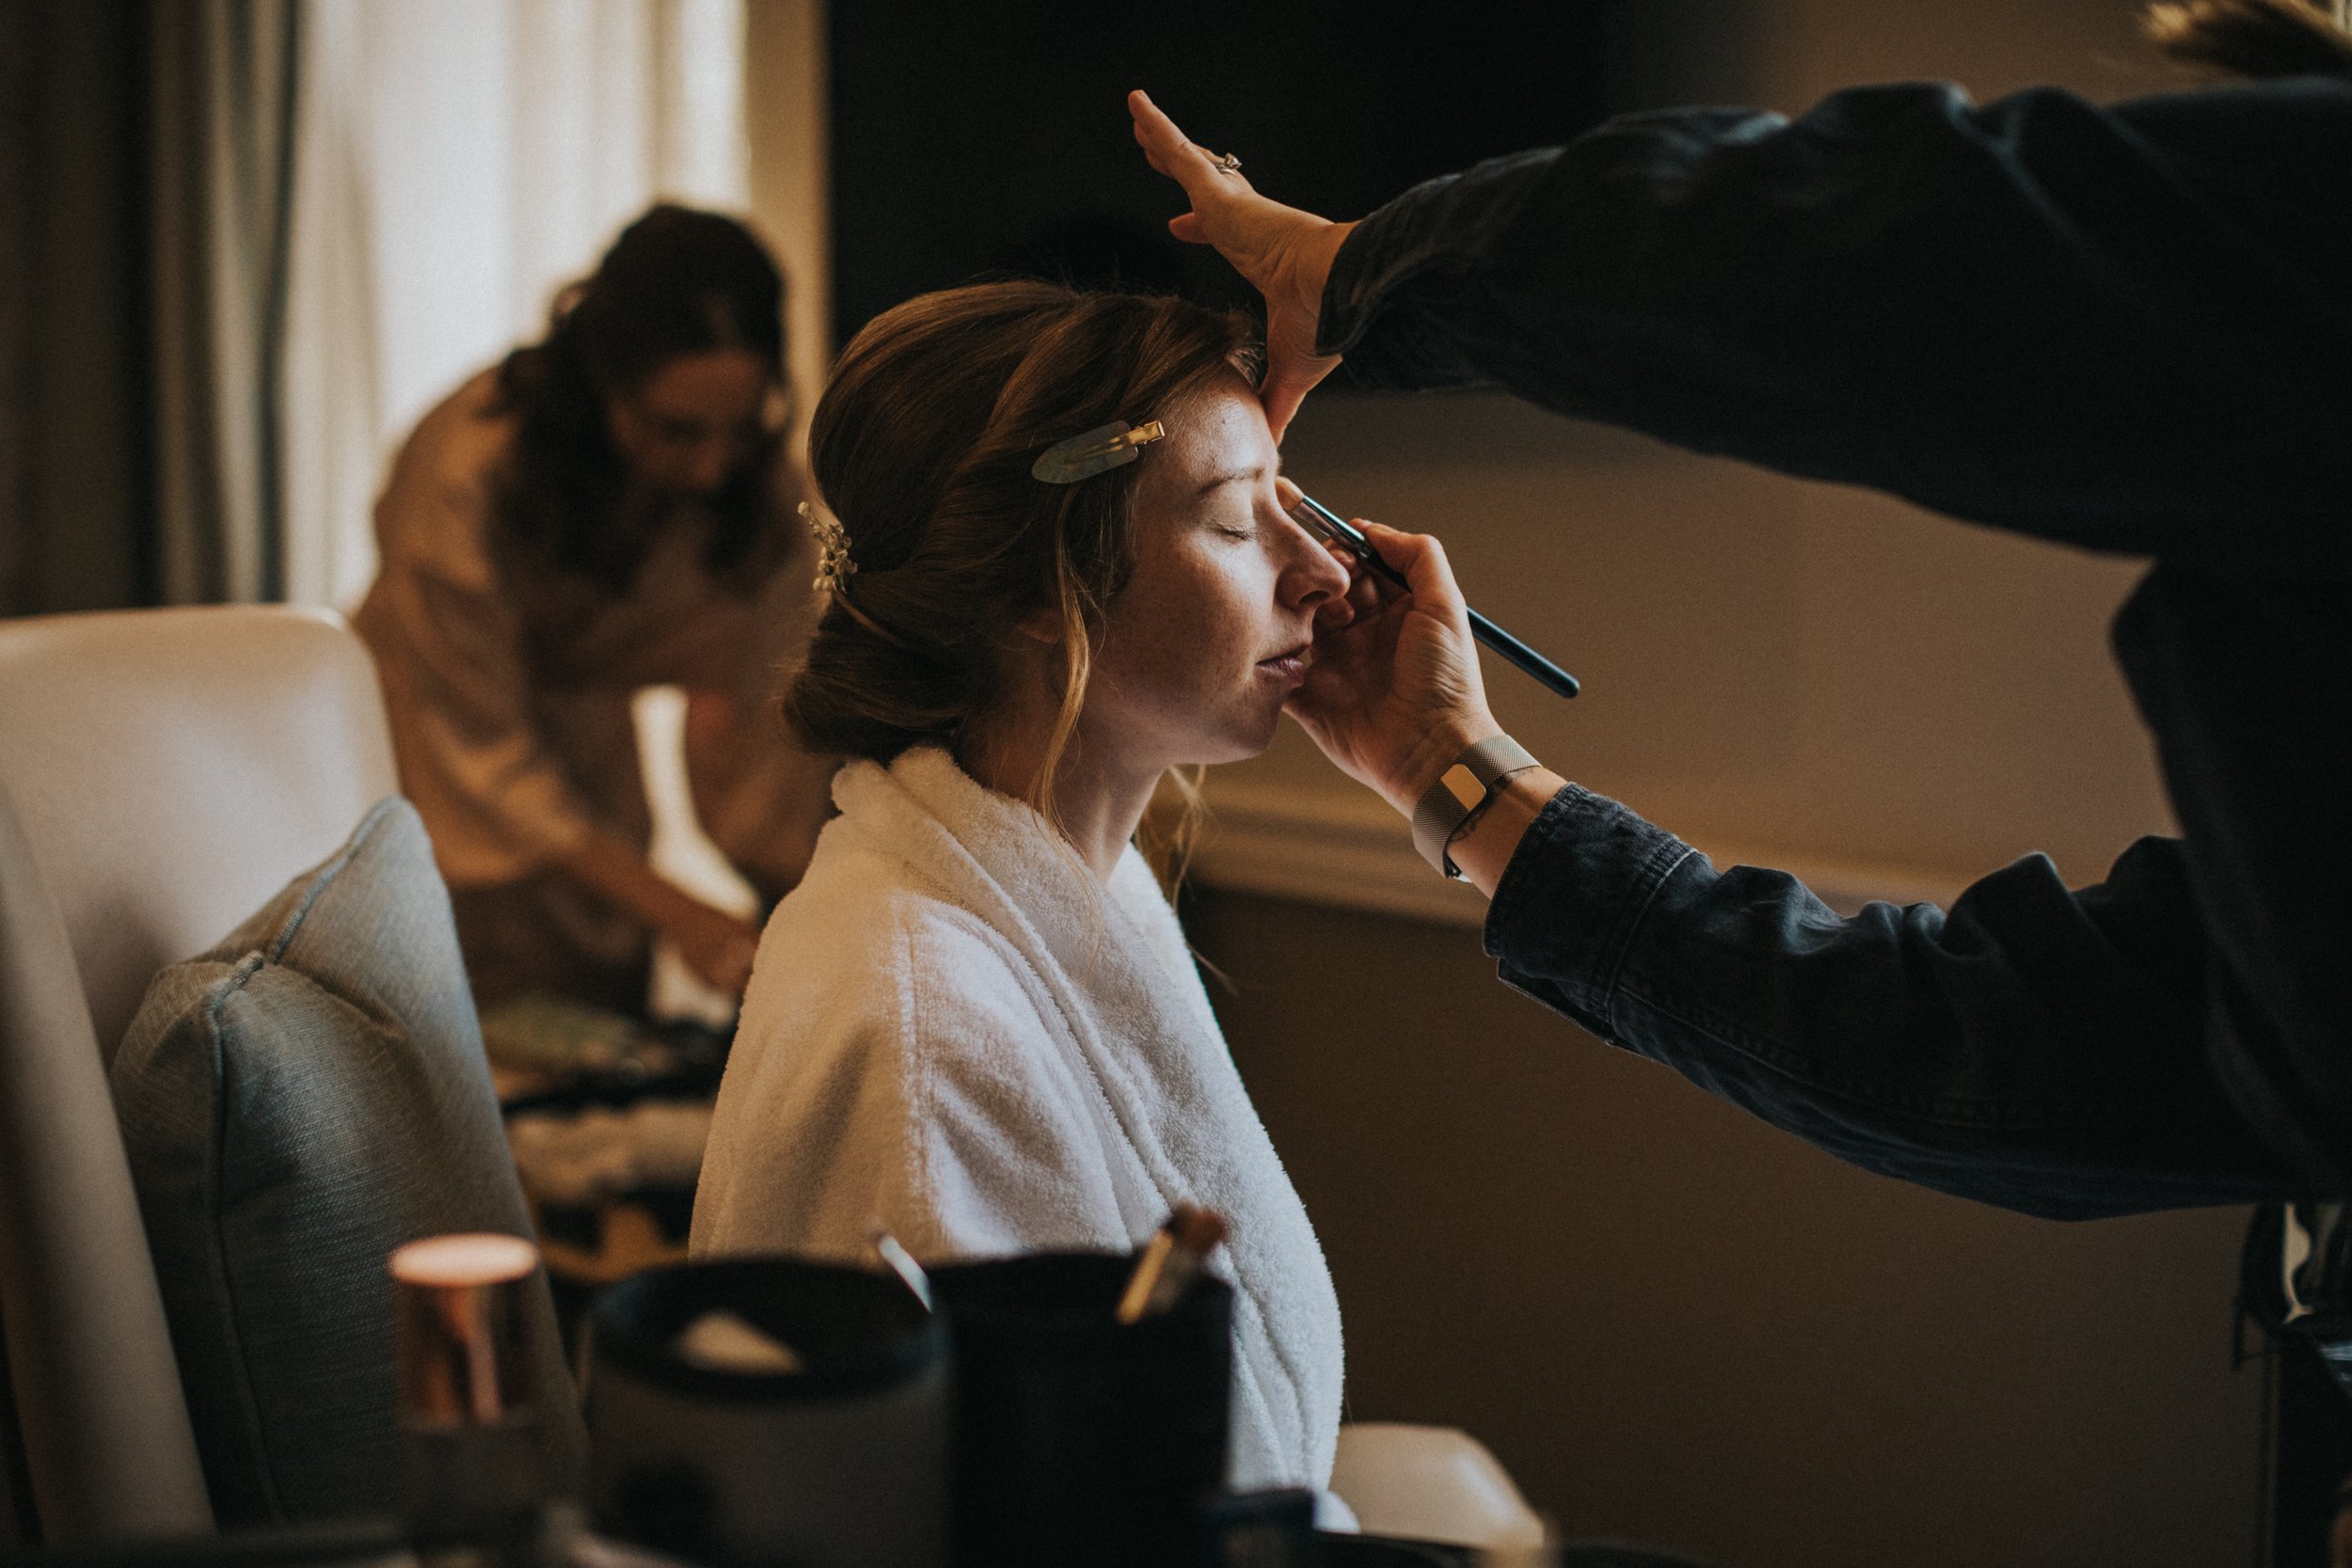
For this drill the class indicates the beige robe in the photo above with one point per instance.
(509, 688)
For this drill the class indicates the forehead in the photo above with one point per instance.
(1221, 429)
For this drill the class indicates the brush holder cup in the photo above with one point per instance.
(833, 1455)
(1081, 1440)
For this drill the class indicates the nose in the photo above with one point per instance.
(1312, 577)
(707, 468)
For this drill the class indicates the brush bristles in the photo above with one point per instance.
(1199, 1231)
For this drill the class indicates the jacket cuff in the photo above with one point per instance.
(1572, 899)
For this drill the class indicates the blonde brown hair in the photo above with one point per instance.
(922, 445)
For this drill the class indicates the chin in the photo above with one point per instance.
(1242, 731)
(1231, 746)
(1254, 739)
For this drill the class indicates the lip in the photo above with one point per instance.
(1289, 665)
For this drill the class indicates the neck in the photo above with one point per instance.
(1097, 805)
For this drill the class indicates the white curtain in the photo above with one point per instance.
(457, 162)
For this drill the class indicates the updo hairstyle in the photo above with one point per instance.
(922, 447)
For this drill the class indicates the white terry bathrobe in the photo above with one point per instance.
(954, 1030)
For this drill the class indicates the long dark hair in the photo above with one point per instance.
(677, 281)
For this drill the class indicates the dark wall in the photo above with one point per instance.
(1677, 1326)
(75, 484)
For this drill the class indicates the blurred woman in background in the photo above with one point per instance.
(607, 509)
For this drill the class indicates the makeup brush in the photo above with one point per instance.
(1317, 518)
(1171, 1261)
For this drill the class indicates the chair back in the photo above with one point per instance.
(173, 767)
(162, 774)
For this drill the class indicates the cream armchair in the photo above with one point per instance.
(1433, 1484)
(162, 773)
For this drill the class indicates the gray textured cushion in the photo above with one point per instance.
(296, 1102)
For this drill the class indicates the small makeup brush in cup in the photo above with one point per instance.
(902, 1262)
(1171, 1260)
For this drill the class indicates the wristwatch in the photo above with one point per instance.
(1461, 790)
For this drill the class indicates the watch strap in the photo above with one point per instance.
(1468, 784)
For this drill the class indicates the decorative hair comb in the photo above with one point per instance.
(1099, 450)
(833, 566)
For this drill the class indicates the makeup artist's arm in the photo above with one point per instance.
(2037, 1046)
(2119, 327)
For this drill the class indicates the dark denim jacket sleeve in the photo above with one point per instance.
(2033, 1047)
(2125, 328)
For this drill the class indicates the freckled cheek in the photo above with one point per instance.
(1186, 649)
(1230, 629)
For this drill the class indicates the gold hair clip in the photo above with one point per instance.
(1098, 450)
(833, 566)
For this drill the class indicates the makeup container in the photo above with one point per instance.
(769, 1411)
(1082, 1440)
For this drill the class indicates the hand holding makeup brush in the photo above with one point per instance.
(1395, 692)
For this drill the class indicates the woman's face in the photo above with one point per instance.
(694, 421)
(1214, 631)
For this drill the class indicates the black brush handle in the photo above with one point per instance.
(1322, 520)
(1522, 655)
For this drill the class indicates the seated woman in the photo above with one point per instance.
(975, 1021)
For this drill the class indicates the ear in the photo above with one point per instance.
(1042, 626)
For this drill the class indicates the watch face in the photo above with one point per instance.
(1464, 785)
